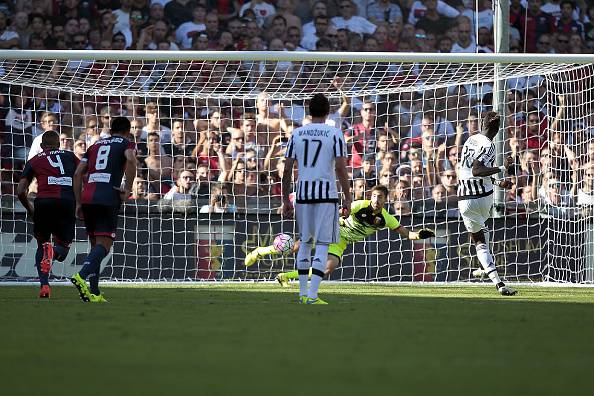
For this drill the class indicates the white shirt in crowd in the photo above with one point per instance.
(355, 24)
(186, 31)
(262, 10)
(418, 10)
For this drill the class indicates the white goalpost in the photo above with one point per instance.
(223, 118)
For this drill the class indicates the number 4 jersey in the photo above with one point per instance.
(106, 163)
(477, 147)
(315, 147)
(54, 170)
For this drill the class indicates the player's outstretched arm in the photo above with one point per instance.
(412, 235)
(22, 189)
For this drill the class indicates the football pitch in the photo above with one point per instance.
(254, 339)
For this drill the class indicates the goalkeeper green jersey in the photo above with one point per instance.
(363, 222)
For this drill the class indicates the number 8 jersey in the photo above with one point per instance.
(315, 147)
(477, 147)
(106, 163)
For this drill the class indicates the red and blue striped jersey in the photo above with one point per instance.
(54, 170)
(106, 164)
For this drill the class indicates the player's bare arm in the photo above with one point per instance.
(81, 170)
(130, 172)
(414, 235)
(286, 186)
(480, 170)
(22, 190)
(343, 179)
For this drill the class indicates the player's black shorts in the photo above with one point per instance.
(101, 220)
(55, 217)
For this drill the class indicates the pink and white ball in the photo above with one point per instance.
(283, 243)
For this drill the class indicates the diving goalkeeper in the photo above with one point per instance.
(366, 218)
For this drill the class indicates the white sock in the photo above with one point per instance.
(303, 264)
(318, 266)
(486, 260)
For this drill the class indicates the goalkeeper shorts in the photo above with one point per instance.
(337, 249)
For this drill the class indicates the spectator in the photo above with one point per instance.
(348, 19)
(466, 42)
(260, 8)
(277, 29)
(179, 144)
(566, 23)
(321, 24)
(383, 11)
(183, 185)
(219, 201)
(66, 141)
(158, 165)
(188, 30)
(359, 189)
(176, 11)
(367, 171)
(534, 23)
(203, 179)
(432, 21)
(140, 190)
(285, 8)
(8, 38)
(153, 123)
(80, 148)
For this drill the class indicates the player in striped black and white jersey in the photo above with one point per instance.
(475, 192)
(321, 155)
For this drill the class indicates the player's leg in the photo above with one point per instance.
(64, 231)
(42, 231)
(262, 251)
(303, 215)
(335, 251)
(475, 219)
(326, 233)
(104, 234)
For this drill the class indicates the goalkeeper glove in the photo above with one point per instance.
(426, 233)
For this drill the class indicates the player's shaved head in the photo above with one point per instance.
(50, 140)
(319, 106)
(120, 126)
(491, 122)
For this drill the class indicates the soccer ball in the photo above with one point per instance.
(283, 243)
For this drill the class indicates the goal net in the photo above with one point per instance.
(211, 131)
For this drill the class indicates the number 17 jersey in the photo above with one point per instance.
(481, 148)
(316, 147)
(106, 162)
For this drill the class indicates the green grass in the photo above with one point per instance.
(254, 339)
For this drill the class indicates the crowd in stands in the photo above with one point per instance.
(224, 154)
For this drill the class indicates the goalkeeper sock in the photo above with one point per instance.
(317, 272)
(303, 264)
(486, 260)
(43, 278)
(93, 261)
(267, 251)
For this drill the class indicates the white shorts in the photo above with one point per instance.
(318, 222)
(476, 212)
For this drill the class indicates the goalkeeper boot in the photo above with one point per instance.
(45, 291)
(48, 257)
(506, 291)
(252, 258)
(315, 301)
(82, 287)
(97, 298)
(282, 279)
